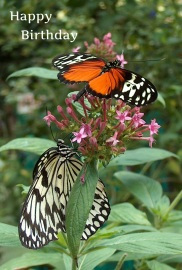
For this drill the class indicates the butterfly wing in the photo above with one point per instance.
(72, 168)
(100, 208)
(105, 84)
(136, 89)
(42, 217)
(125, 85)
(77, 67)
(43, 213)
(99, 212)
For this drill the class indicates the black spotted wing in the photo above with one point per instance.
(136, 89)
(123, 84)
(104, 80)
(99, 212)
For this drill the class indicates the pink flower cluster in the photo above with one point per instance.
(104, 49)
(102, 130)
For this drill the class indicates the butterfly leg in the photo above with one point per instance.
(80, 94)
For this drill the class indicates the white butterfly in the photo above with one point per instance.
(43, 213)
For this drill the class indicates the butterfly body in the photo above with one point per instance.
(104, 79)
(43, 213)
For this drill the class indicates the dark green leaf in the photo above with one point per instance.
(35, 258)
(90, 260)
(108, 232)
(141, 156)
(146, 243)
(130, 256)
(79, 205)
(127, 213)
(170, 258)
(35, 71)
(9, 236)
(155, 265)
(161, 99)
(145, 189)
(34, 145)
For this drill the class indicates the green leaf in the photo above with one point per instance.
(173, 222)
(145, 189)
(9, 236)
(35, 258)
(79, 205)
(155, 265)
(35, 71)
(34, 145)
(170, 258)
(130, 256)
(25, 188)
(108, 232)
(90, 260)
(141, 156)
(146, 243)
(161, 99)
(127, 213)
(175, 215)
(77, 105)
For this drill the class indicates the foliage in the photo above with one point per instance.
(129, 230)
(145, 222)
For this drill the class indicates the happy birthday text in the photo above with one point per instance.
(44, 34)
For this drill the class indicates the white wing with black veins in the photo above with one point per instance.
(43, 213)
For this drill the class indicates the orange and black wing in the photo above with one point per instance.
(77, 67)
(123, 84)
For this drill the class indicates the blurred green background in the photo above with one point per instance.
(143, 29)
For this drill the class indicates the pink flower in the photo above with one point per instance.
(107, 36)
(151, 140)
(87, 129)
(49, 118)
(108, 41)
(121, 59)
(122, 116)
(96, 122)
(72, 113)
(137, 121)
(93, 141)
(61, 111)
(96, 41)
(82, 178)
(79, 136)
(76, 49)
(102, 48)
(113, 139)
(153, 127)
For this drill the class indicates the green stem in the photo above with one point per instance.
(174, 203)
(74, 264)
(60, 249)
(145, 167)
(83, 246)
(121, 261)
(65, 238)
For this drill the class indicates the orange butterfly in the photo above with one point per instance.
(104, 80)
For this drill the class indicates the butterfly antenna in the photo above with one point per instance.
(148, 60)
(52, 134)
(70, 137)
